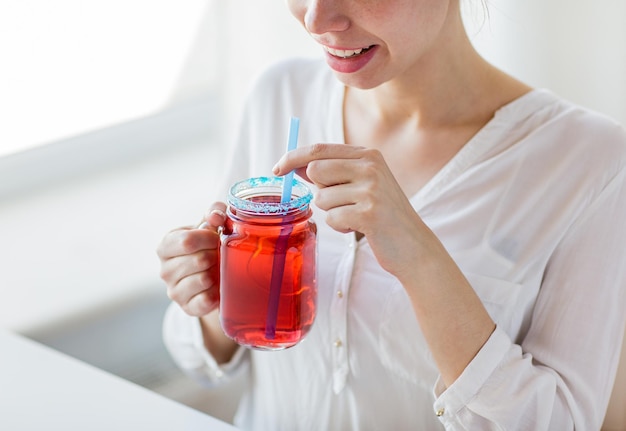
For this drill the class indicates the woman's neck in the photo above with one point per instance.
(446, 88)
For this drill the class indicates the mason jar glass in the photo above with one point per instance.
(268, 273)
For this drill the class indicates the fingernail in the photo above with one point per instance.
(275, 169)
(202, 225)
(218, 213)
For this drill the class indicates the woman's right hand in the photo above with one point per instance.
(190, 263)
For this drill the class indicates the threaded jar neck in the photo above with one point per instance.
(260, 197)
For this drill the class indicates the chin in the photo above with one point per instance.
(362, 83)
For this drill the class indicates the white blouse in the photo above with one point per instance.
(533, 211)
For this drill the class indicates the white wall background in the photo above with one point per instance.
(577, 48)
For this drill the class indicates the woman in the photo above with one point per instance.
(470, 237)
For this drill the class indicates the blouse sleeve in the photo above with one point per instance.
(182, 333)
(560, 376)
(182, 336)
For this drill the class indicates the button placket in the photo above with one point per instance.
(339, 308)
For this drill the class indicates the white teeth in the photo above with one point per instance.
(344, 53)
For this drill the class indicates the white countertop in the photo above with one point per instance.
(42, 389)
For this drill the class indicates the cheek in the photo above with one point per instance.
(297, 9)
(418, 27)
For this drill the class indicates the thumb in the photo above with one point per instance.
(214, 217)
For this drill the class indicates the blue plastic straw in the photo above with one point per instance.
(294, 127)
(280, 250)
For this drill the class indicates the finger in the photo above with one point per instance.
(173, 270)
(215, 216)
(186, 241)
(193, 285)
(353, 207)
(301, 157)
(329, 172)
(203, 303)
(342, 219)
(336, 196)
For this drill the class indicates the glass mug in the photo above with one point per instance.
(268, 273)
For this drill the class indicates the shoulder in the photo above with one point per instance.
(304, 88)
(567, 148)
(587, 128)
(295, 78)
(593, 125)
(589, 149)
(572, 132)
(595, 136)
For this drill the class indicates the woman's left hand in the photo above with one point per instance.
(360, 194)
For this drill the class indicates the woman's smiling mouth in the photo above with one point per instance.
(349, 60)
(346, 53)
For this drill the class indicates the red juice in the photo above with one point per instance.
(268, 281)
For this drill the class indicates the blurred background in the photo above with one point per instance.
(116, 116)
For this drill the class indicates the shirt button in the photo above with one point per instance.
(339, 294)
(440, 412)
(219, 374)
(338, 343)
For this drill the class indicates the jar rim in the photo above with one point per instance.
(240, 193)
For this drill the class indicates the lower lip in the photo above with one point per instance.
(350, 64)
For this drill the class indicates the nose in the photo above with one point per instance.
(325, 16)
